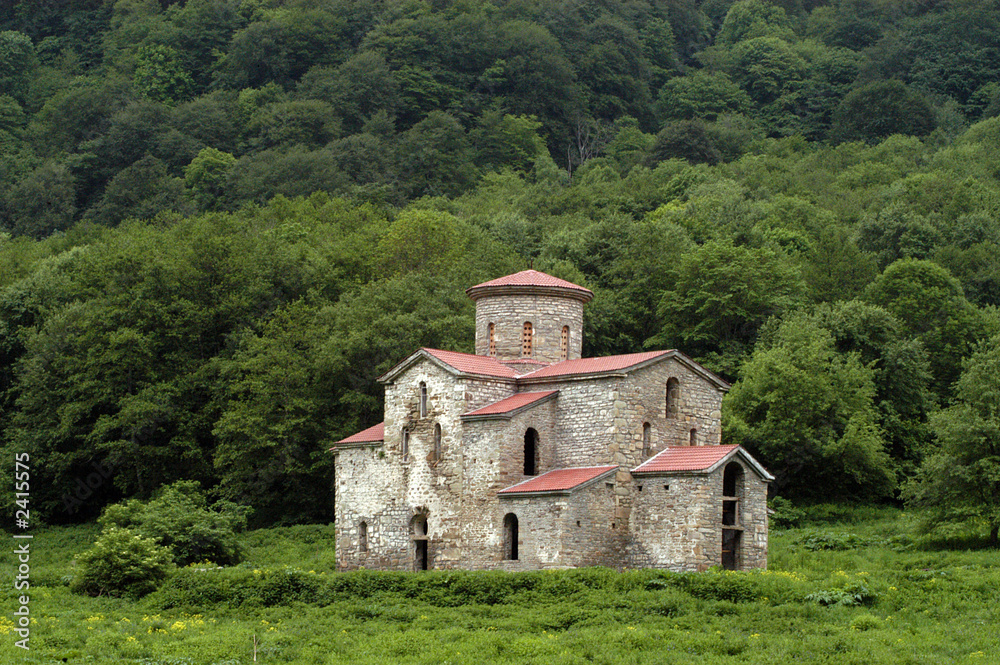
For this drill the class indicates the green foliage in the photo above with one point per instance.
(122, 563)
(880, 109)
(160, 76)
(180, 519)
(961, 479)
(723, 293)
(807, 413)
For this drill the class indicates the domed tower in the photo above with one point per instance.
(529, 317)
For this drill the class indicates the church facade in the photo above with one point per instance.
(525, 455)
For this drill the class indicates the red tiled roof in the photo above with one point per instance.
(511, 403)
(559, 480)
(473, 364)
(530, 278)
(685, 458)
(594, 365)
(373, 433)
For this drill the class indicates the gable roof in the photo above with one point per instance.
(373, 434)
(583, 367)
(530, 281)
(560, 480)
(697, 459)
(455, 363)
(511, 406)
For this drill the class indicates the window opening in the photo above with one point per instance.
(406, 444)
(673, 397)
(437, 441)
(564, 343)
(693, 438)
(493, 340)
(510, 536)
(647, 435)
(423, 399)
(526, 335)
(530, 452)
(363, 537)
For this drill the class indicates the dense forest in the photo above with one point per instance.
(223, 219)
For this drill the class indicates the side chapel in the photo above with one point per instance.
(525, 455)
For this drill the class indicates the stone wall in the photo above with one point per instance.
(494, 460)
(566, 530)
(547, 314)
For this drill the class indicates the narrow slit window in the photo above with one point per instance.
(363, 537)
(423, 399)
(437, 442)
(510, 537)
(493, 340)
(530, 452)
(693, 438)
(647, 435)
(673, 397)
(564, 343)
(526, 340)
(406, 444)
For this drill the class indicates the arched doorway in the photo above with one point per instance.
(418, 536)
(732, 529)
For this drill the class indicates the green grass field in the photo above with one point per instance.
(855, 588)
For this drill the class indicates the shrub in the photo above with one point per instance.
(786, 516)
(180, 518)
(122, 563)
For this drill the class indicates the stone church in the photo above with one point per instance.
(526, 456)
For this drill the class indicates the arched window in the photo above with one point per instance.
(526, 334)
(437, 442)
(564, 343)
(406, 444)
(493, 340)
(363, 537)
(510, 537)
(530, 452)
(423, 399)
(646, 439)
(693, 437)
(673, 397)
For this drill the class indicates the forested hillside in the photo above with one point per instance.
(224, 219)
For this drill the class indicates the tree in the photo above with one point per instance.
(44, 201)
(748, 19)
(932, 308)
(274, 429)
(180, 519)
(684, 139)
(806, 411)
(700, 94)
(878, 110)
(122, 563)
(17, 61)
(722, 294)
(160, 76)
(960, 481)
(206, 176)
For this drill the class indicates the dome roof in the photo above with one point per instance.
(530, 282)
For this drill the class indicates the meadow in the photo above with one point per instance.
(850, 586)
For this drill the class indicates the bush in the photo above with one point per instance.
(786, 515)
(122, 563)
(180, 518)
